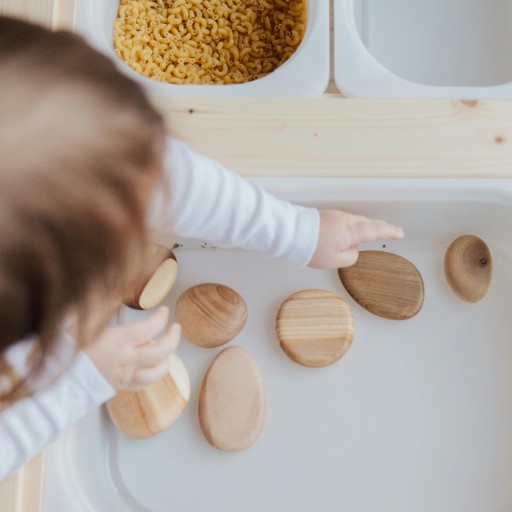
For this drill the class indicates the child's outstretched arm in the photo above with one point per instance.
(212, 203)
(120, 358)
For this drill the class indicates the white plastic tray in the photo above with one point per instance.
(306, 73)
(424, 48)
(416, 417)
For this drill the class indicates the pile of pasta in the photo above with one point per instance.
(208, 41)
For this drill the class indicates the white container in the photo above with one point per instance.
(416, 417)
(424, 48)
(306, 73)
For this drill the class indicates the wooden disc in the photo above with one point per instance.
(315, 327)
(233, 401)
(468, 267)
(211, 314)
(144, 413)
(385, 284)
(157, 281)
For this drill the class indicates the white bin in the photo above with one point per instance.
(424, 48)
(417, 417)
(306, 73)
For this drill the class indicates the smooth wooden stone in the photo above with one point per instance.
(154, 286)
(233, 401)
(385, 284)
(211, 314)
(149, 411)
(468, 267)
(315, 327)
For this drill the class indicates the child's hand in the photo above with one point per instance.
(341, 233)
(126, 358)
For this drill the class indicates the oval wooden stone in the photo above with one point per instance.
(468, 267)
(211, 314)
(158, 280)
(315, 327)
(233, 401)
(385, 284)
(149, 411)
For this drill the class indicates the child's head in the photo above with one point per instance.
(80, 152)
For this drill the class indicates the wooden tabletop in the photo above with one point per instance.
(326, 136)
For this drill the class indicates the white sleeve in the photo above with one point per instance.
(208, 202)
(29, 425)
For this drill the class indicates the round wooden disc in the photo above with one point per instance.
(233, 400)
(315, 327)
(468, 267)
(211, 314)
(385, 284)
(157, 280)
(149, 411)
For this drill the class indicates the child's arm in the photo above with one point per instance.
(31, 424)
(209, 202)
(119, 358)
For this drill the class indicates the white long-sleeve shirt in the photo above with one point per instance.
(203, 200)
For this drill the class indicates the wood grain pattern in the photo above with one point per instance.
(211, 314)
(144, 413)
(23, 491)
(335, 136)
(56, 14)
(64, 12)
(37, 11)
(385, 284)
(233, 401)
(315, 327)
(468, 268)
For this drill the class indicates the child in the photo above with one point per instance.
(87, 177)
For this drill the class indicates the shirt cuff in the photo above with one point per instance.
(308, 228)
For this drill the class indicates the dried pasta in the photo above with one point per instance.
(208, 41)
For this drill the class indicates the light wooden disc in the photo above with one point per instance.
(159, 285)
(211, 314)
(157, 281)
(468, 267)
(315, 327)
(385, 284)
(144, 413)
(233, 401)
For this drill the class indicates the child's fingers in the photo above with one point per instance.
(146, 376)
(347, 258)
(174, 334)
(146, 329)
(370, 230)
(151, 354)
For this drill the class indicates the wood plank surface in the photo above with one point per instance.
(57, 14)
(336, 136)
(23, 491)
(40, 11)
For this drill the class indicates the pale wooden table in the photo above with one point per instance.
(326, 136)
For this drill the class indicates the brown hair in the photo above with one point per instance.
(80, 151)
